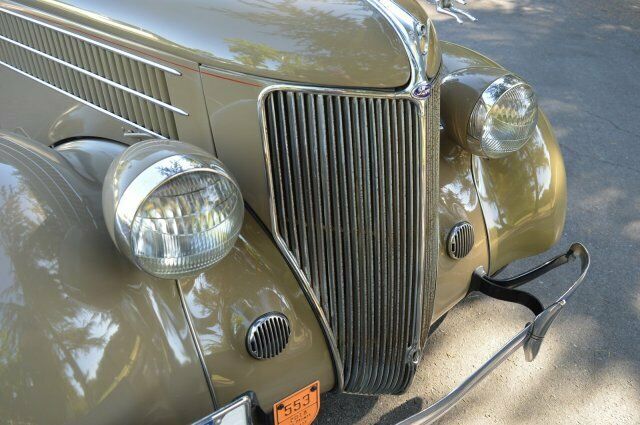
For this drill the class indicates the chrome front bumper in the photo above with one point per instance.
(530, 338)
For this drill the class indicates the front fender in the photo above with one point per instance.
(223, 301)
(84, 336)
(87, 337)
(522, 196)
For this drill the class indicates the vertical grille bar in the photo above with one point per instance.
(350, 207)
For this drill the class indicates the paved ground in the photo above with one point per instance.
(583, 58)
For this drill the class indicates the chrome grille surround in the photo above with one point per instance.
(353, 181)
(363, 365)
(127, 87)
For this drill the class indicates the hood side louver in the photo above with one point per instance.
(133, 91)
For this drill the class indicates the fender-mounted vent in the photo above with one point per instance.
(127, 87)
(268, 336)
(460, 240)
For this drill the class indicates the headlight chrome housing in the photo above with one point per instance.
(171, 208)
(504, 118)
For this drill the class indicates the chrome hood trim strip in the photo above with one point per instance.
(95, 76)
(82, 101)
(413, 34)
(92, 41)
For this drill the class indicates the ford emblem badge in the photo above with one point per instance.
(421, 91)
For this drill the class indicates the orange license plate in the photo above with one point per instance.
(300, 408)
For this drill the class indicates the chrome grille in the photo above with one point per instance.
(129, 89)
(353, 185)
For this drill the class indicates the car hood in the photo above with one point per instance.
(320, 42)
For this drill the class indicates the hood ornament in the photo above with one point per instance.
(446, 7)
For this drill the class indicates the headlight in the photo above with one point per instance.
(504, 118)
(171, 208)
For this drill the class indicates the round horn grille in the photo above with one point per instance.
(268, 335)
(460, 240)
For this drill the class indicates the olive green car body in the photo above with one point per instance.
(87, 337)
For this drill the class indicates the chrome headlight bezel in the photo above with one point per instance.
(142, 170)
(489, 98)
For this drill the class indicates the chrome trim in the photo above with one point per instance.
(489, 97)
(421, 304)
(134, 135)
(198, 346)
(94, 42)
(530, 338)
(442, 406)
(291, 260)
(148, 181)
(269, 334)
(84, 102)
(463, 13)
(95, 76)
(500, 87)
(217, 417)
(410, 31)
(413, 35)
(460, 240)
(445, 7)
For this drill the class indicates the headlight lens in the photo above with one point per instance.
(188, 224)
(177, 216)
(504, 119)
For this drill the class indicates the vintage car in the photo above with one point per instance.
(213, 211)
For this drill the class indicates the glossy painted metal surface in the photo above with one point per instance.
(84, 336)
(79, 100)
(9, 9)
(333, 42)
(224, 301)
(458, 202)
(93, 75)
(461, 90)
(456, 57)
(229, 106)
(91, 158)
(74, 117)
(468, 89)
(414, 34)
(523, 197)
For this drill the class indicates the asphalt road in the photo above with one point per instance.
(583, 59)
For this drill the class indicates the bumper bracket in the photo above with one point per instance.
(530, 338)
